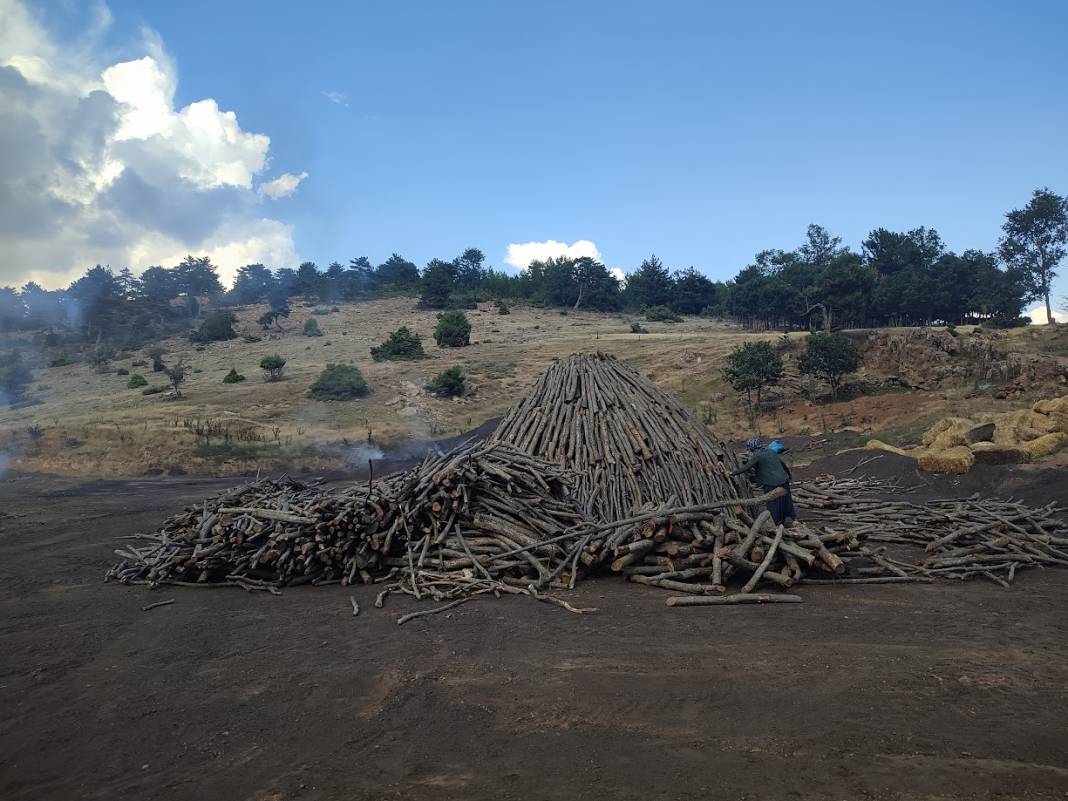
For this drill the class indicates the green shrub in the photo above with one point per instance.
(217, 327)
(661, 314)
(453, 330)
(155, 389)
(402, 345)
(502, 308)
(272, 367)
(101, 354)
(139, 363)
(830, 357)
(62, 360)
(339, 382)
(463, 300)
(951, 329)
(122, 371)
(250, 339)
(233, 377)
(564, 312)
(14, 377)
(751, 367)
(156, 355)
(137, 380)
(448, 383)
(636, 328)
(311, 328)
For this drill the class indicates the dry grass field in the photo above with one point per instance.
(90, 423)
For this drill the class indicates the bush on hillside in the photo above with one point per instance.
(217, 327)
(233, 377)
(503, 308)
(272, 367)
(448, 383)
(453, 330)
(830, 357)
(311, 328)
(136, 380)
(661, 314)
(339, 382)
(14, 377)
(402, 345)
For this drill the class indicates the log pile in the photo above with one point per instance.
(960, 538)
(479, 516)
(628, 442)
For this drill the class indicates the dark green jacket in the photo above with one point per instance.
(769, 469)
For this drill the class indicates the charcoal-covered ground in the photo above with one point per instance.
(878, 692)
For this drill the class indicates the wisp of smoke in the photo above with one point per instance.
(359, 454)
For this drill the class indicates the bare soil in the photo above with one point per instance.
(939, 691)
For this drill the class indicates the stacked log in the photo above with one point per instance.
(482, 511)
(960, 538)
(629, 443)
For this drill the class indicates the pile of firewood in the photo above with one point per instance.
(961, 538)
(480, 512)
(628, 442)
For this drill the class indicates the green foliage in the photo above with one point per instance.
(139, 363)
(62, 360)
(952, 330)
(649, 285)
(218, 326)
(1034, 243)
(101, 354)
(156, 355)
(339, 382)
(636, 328)
(829, 357)
(136, 380)
(272, 367)
(249, 338)
(155, 389)
(502, 307)
(448, 383)
(402, 345)
(122, 371)
(14, 377)
(453, 330)
(661, 314)
(437, 284)
(751, 367)
(233, 377)
(311, 328)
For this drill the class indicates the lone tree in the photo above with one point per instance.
(156, 355)
(279, 308)
(751, 367)
(272, 367)
(14, 377)
(1034, 243)
(176, 375)
(453, 330)
(830, 357)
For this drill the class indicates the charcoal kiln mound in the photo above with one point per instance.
(629, 444)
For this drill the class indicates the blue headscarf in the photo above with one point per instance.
(754, 444)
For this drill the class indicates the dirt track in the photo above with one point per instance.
(884, 692)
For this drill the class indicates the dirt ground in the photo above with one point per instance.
(941, 691)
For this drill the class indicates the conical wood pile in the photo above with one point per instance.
(631, 445)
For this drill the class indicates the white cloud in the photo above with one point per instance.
(99, 166)
(522, 254)
(340, 98)
(618, 274)
(282, 186)
(1038, 315)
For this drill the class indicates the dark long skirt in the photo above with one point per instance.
(783, 506)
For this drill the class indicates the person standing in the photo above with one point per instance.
(770, 471)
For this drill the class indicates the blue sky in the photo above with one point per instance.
(702, 132)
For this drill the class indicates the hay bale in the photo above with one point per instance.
(946, 424)
(956, 460)
(1012, 428)
(952, 435)
(1046, 444)
(879, 445)
(1056, 409)
(992, 453)
(983, 432)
